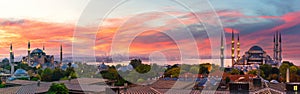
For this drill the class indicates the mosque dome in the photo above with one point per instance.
(103, 66)
(37, 50)
(255, 48)
(123, 69)
(5, 60)
(20, 72)
(130, 67)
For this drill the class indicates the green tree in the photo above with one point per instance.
(266, 68)
(57, 74)
(254, 72)
(293, 69)
(227, 80)
(275, 70)
(194, 70)
(135, 62)
(283, 69)
(58, 88)
(173, 71)
(143, 68)
(235, 72)
(47, 75)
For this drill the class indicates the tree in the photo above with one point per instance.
(283, 69)
(173, 71)
(275, 70)
(203, 69)
(293, 69)
(143, 68)
(227, 80)
(194, 70)
(266, 68)
(135, 62)
(58, 88)
(57, 74)
(235, 72)
(254, 72)
(47, 75)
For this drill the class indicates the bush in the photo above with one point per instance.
(2, 85)
(58, 88)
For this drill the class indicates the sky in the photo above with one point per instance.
(149, 26)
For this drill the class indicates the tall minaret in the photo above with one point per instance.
(275, 50)
(232, 49)
(238, 48)
(43, 47)
(222, 51)
(280, 49)
(61, 54)
(11, 59)
(28, 59)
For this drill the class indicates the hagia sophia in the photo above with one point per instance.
(255, 56)
(38, 58)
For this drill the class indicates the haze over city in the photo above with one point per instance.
(53, 22)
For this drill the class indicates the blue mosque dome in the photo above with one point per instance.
(255, 48)
(103, 66)
(37, 50)
(20, 72)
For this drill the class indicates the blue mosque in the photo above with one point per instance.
(255, 56)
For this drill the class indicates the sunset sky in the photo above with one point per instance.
(51, 22)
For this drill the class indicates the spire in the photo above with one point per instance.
(238, 47)
(274, 49)
(10, 47)
(43, 47)
(11, 60)
(61, 53)
(222, 51)
(232, 49)
(280, 49)
(28, 57)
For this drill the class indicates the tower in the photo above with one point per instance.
(222, 51)
(11, 59)
(238, 47)
(274, 49)
(232, 49)
(28, 59)
(280, 49)
(43, 47)
(61, 53)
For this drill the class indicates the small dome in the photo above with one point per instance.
(123, 69)
(5, 60)
(103, 66)
(130, 67)
(20, 71)
(256, 48)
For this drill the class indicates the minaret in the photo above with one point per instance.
(61, 54)
(280, 49)
(274, 57)
(232, 49)
(11, 59)
(222, 51)
(276, 44)
(28, 59)
(238, 48)
(43, 47)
